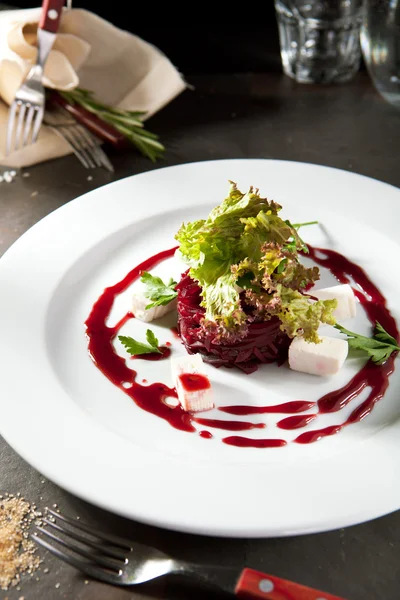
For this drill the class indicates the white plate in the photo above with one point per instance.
(66, 419)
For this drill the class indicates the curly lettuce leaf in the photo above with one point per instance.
(299, 316)
(296, 276)
(245, 245)
(218, 239)
(223, 308)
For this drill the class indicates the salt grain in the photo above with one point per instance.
(57, 585)
(17, 551)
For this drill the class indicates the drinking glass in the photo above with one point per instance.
(319, 39)
(380, 42)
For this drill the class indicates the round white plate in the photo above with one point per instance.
(66, 419)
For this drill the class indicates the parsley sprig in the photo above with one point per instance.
(157, 291)
(136, 348)
(379, 347)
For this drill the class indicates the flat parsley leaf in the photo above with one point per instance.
(135, 348)
(383, 336)
(379, 347)
(157, 291)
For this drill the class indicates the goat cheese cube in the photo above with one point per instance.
(346, 306)
(192, 384)
(325, 358)
(139, 303)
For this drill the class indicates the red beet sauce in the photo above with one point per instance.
(152, 398)
(194, 382)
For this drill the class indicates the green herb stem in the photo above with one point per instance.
(129, 123)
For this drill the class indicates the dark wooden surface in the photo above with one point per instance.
(245, 115)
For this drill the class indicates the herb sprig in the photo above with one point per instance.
(136, 348)
(127, 122)
(157, 291)
(379, 347)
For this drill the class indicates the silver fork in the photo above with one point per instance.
(121, 562)
(29, 100)
(84, 144)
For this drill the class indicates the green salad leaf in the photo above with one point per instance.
(379, 347)
(245, 258)
(157, 291)
(136, 348)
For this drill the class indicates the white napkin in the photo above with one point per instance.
(120, 69)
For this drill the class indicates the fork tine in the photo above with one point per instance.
(92, 571)
(64, 132)
(21, 115)
(89, 143)
(98, 153)
(37, 124)
(28, 125)
(10, 128)
(80, 538)
(70, 545)
(106, 161)
(105, 537)
(81, 142)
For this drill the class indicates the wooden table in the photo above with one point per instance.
(244, 115)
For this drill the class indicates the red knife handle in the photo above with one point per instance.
(254, 585)
(51, 15)
(98, 127)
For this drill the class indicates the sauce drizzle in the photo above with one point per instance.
(228, 425)
(295, 406)
(296, 421)
(153, 398)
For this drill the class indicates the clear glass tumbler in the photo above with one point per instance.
(320, 39)
(380, 42)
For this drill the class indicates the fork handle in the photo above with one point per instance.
(51, 15)
(253, 585)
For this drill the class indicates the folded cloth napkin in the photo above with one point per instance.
(121, 69)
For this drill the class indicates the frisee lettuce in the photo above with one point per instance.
(245, 259)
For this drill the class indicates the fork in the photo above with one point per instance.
(29, 100)
(84, 144)
(118, 561)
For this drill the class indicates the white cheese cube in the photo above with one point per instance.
(192, 384)
(325, 358)
(139, 303)
(346, 307)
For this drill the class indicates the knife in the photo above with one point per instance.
(253, 585)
